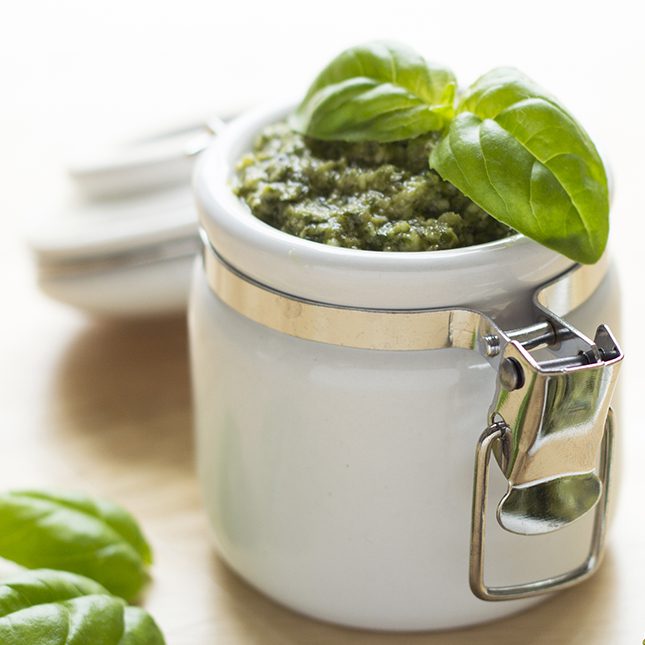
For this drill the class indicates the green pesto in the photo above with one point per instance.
(367, 195)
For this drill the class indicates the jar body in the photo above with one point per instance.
(338, 481)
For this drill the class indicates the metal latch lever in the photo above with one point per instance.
(551, 431)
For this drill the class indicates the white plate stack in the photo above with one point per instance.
(125, 242)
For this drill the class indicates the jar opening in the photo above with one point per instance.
(463, 276)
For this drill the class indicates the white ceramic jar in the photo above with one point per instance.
(339, 480)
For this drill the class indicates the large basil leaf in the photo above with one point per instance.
(74, 533)
(376, 92)
(58, 608)
(517, 153)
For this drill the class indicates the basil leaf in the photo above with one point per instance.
(95, 538)
(79, 621)
(43, 586)
(59, 608)
(376, 92)
(518, 154)
(140, 628)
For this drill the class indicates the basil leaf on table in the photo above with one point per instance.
(41, 586)
(139, 628)
(71, 532)
(45, 607)
(376, 92)
(79, 621)
(518, 154)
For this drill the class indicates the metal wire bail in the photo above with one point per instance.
(551, 431)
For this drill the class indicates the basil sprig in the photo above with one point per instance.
(60, 608)
(95, 538)
(517, 153)
(508, 145)
(377, 92)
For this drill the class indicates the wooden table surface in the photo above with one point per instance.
(104, 407)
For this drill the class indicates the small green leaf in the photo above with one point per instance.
(46, 607)
(376, 92)
(94, 538)
(518, 154)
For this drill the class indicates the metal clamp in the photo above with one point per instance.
(587, 568)
(551, 431)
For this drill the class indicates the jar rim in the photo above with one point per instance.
(318, 271)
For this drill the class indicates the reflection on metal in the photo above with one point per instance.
(492, 435)
(550, 425)
(555, 421)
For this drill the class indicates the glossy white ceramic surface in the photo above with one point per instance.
(338, 481)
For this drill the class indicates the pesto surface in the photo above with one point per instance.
(372, 196)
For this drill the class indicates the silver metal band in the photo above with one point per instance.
(384, 329)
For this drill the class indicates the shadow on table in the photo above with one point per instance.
(564, 618)
(123, 388)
